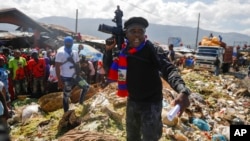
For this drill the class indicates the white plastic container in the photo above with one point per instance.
(173, 112)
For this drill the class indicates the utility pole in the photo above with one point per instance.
(76, 21)
(240, 44)
(197, 34)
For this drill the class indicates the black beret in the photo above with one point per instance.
(136, 20)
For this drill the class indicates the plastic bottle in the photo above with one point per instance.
(173, 112)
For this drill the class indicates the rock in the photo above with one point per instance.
(69, 121)
(51, 102)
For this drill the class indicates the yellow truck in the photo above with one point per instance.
(207, 51)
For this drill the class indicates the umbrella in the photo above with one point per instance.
(89, 52)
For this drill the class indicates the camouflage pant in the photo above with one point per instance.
(68, 84)
(143, 121)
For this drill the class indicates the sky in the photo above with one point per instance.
(215, 15)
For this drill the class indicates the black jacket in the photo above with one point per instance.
(143, 74)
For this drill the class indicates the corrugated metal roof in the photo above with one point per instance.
(12, 35)
(16, 17)
(57, 27)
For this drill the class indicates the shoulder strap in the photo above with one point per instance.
(70, 59)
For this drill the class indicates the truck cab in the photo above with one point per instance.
(206, 55)
(207, 52)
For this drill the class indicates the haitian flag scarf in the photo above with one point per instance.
(118, 69)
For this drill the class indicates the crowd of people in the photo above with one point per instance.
(32, 72)
(185, 62)
(136, 70)
(36, 72)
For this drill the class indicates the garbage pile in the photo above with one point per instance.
(216, 103)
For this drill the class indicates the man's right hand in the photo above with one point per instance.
(110, 43)
(60, 85)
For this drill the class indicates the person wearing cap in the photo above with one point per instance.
(137, 72)
(66, 70)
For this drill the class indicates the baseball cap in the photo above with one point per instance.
(136, 21)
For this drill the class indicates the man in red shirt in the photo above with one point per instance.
(36, 67)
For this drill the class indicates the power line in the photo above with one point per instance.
(135, 6)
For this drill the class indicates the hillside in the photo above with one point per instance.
(155, 32)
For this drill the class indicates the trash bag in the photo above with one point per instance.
(201, 124)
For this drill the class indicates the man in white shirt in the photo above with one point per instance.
(67, 67)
